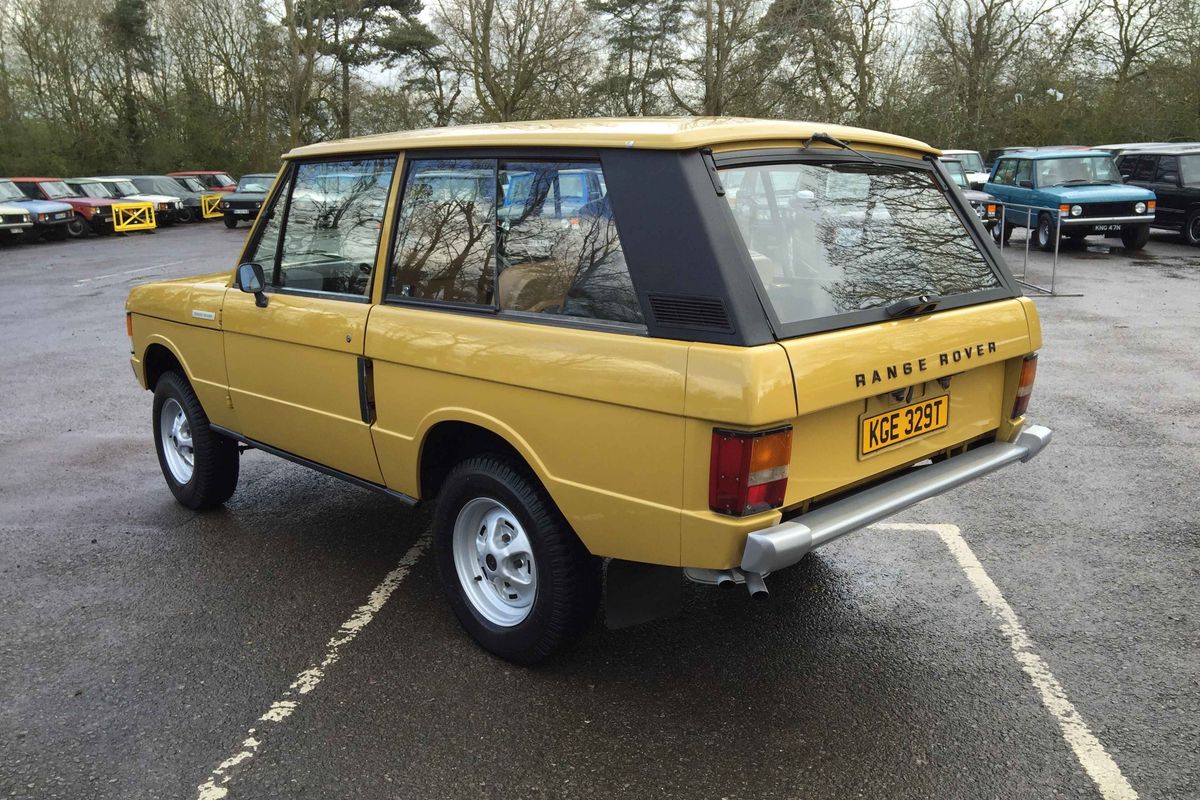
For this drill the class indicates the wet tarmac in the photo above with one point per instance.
(144, 646)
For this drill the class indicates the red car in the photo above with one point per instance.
(92, 214)
(214, 180)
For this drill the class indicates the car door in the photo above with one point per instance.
(1020, 208)
(295, 365)
(1168, 192)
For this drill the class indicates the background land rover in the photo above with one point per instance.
(987, 207)
(1076, 192)
(92, 214)
(189, 197)
(50, 217)
(14, 220)
(669, 379)
(166, 207)
(1173, 174)
(243, 204)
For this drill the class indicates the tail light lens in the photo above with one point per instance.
(1025, 386)
(749, 470)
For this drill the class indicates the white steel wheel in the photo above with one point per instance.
(176, 441)
(494, 560)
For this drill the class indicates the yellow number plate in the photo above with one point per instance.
(901, 424)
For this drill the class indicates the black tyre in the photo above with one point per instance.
(518, 578)
(200, 465)
(230, 222)
(1134, 237)
(1002, 233)
(78, 227)
(1191, 228)
(1045, 235)
(187, 214)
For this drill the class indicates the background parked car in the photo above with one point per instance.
(972, 163)
(50, 218)
(167, 208)
(164, 185)
(1173, 174)
(243, 205)
(92, 214)
(14, 221)
(1081, 187)
(213, 180)
(985, 205)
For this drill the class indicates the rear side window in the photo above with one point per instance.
(834, 238)
(532, 236)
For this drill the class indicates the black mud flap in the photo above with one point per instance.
(635, 593)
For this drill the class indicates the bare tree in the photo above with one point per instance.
(519, 56)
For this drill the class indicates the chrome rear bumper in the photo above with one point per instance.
(786, 543)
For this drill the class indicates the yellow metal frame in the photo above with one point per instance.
(134, 217)
(210, 206)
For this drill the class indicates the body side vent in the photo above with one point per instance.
(690, 311)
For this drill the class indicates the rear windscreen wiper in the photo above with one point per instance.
(912, 306)
(825, 138)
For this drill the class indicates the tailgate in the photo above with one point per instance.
(879, 397)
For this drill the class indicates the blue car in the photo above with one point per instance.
(1081, 188)
(49, 217)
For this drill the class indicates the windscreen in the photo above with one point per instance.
(955, 168)
(255, 183)
(9, 191)
(1077, 171)
(121, 188)
(221, 179)
(834, 238)
(87, 189)
(56, 189)
(970, 161)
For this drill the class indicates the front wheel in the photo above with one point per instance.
(1002, 233)
(1191, 229)
(519, 580)
(1134, 237)
(200, 465)
(1046, 234)
(230, 222)
(187, 214)
(78, 227)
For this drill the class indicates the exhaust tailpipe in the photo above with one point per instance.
(756, 586)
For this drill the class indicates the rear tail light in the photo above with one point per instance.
(749, 470)
(1025, 385)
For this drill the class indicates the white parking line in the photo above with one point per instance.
(1092, 756)
(216, 786)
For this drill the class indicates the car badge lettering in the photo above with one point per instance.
(891, 372)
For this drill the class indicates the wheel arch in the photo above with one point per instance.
(448, 437)
(158, 357)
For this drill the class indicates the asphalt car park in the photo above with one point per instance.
(1032, 635)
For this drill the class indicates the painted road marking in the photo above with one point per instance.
(1099, 765)
(85, 281)
(216, 786)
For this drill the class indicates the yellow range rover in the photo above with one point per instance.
(708, 344)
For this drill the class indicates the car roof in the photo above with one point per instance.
(1164, 150)
(1039, 154)
(199, 172)
(959, 152)
(34, 180)
(651, 133)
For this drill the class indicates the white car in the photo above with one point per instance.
(972, 162)
(14, 220)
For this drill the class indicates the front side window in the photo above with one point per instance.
(330, 227)
(1168, 170)
(1006, 173)
(839, 237)
(1143, 170)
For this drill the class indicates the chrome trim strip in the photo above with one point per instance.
(304, 462)
(786, 543)
(1069, 221)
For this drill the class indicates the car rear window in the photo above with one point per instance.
(835, 238)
